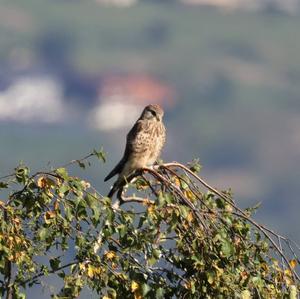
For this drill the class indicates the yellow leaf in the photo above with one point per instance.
(246, 295)
(49, 215)
(228, 208)
(122, 276)
(41, 182)
(81, 266)
(177, 182)
(190, 217)
(219, 271)
(288, 280)
(293, 263)
(90, 271)
(147, 202)
(151, 209)
(137, 295)
(288, 272)
(17, 240)
(110, 255)
(293, 292)
(17, 220)
(106, 297)
(190, 195)
(45, 183)
(49, 193)
(134, 286)
(56, 205)
(85, 184)
(188, 285)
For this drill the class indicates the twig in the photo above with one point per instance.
(175, 164)
(77, 161)
(7, 176)
(32, 279)
(136, 199)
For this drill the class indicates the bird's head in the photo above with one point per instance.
(152, 112)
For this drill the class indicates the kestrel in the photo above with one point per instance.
(144, 143)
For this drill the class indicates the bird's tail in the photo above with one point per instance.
(115, 171)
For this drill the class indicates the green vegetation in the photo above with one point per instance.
(170, 39)
(177, 237)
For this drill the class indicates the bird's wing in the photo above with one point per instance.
(134, 144)
(137, 138)
(118, 168)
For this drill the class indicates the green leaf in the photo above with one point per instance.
(161, 200)
(156, 253)
(112, 293)
(159, 294)
(195, 166)
(3, 185)
(184, 211)
(69, 213)
(100, 154)
(210, 276)
(227, 248)
(22, 173)
(220, 203)
(145, 289)
(122, 230)
(152, 260)
(90, 199)
(43, 233)
(54, 263)
(81, 164)
(164, 198)
(62, 172)
(64, 189)
(246, 294)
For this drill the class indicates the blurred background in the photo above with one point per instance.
(75, 74)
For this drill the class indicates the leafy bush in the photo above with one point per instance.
(176, 238)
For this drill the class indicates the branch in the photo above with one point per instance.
(32, 279)
(173, 188)
(8, 269)
(243, 214)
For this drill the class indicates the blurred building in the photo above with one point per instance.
(120, 3)
(32, 99)
(288, 6)
(122, 97)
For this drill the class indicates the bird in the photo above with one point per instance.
(144, 143)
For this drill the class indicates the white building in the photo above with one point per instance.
(32, 99)
(121, 99)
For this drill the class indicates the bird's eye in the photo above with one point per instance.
(153, 112)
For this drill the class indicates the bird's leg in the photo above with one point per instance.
(153, 166)
(119, 201)
(113, 190)
(121, 187)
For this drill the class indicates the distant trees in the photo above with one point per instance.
(177, 237)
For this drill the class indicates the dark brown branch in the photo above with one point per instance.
(35, 277)
(8, 269)
(7, 176)
(223, 196)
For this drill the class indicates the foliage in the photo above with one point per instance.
(178, 237)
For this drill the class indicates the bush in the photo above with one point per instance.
(176, 238)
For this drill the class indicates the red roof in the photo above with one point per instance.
(139, 89)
